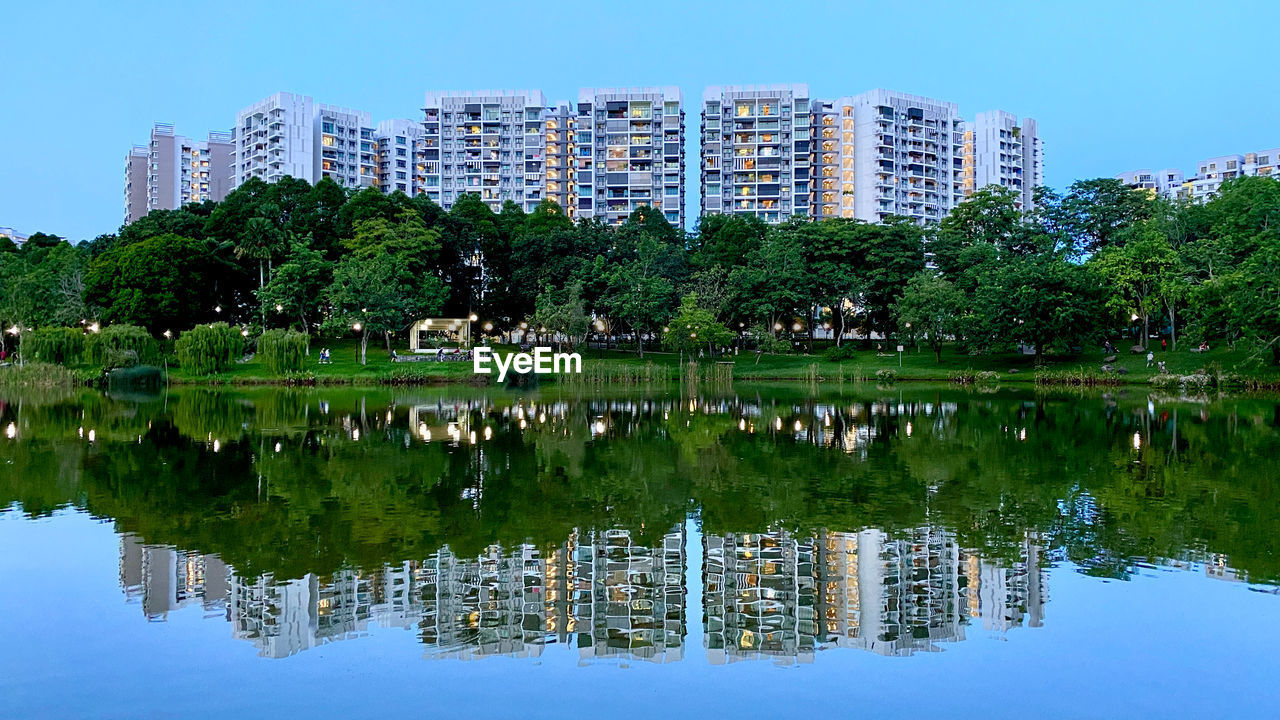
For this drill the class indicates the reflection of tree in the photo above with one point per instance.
(310, 481)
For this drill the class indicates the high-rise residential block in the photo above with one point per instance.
(173, 170)
(275, 137)
(775, 152)
(343, 139)
(400, 156)
(135, 183)
(756, 155)
(630, 152)
(491, 144)
(998, 150)
(908, 155)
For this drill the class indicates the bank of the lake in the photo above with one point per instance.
(613, 366)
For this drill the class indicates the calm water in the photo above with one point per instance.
(913, 552)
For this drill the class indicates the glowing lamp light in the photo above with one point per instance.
(473, 317)
(488, 327)
(244, 333)
(94, 328)
(217, 308)
(168, 334)
(357, 327)
(279, 307)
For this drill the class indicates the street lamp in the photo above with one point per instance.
(356, 327)
(168, 334)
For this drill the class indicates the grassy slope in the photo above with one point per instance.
(915, 365)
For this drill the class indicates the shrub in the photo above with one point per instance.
(283, 351)
(887, 375)
(122, 346)
(963, 377)
(839, 353)
(136, 378)
(987, 377)
(59, 345)
(206, 349)
(36, 375)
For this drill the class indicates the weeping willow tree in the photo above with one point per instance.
(208, 349)
(283, 351)
(122, 346)
(59, 345)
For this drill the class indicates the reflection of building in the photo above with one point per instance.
(164, 579)
(628, 598)
(475, 607)
(772, 595)
(759, 596)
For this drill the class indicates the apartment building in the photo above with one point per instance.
(775, 152)
(1000, 150)
(1169, 182)
(275, 137)
(13, 236)
(400, 157)
(908, 155)
(491, 144)
(756, 155)
(346, 147)
(135, 183)
(1209, 176)
(173, 170)
(630, 152)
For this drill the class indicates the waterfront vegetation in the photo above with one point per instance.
(198, 292)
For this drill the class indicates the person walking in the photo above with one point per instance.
(1164, 344)
(1151, 358)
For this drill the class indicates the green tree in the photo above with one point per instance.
(694, 327)
(297, 286)
(160, 283)
(1139, 273)
(377, 293)
(932, 307)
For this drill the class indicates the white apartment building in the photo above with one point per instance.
(1264, 163)
(345, 147)
(1213, 172)
(775, 152)
(998, 150)
(275, 137)
(908, 155)
(490, 143)
(1169, 182)
(756, 154)
(1209, 176)
(173, 170)
(400, 159)
(630, 152)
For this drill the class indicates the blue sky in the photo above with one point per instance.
(1114, 85)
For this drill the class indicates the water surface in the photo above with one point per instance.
(764, 551)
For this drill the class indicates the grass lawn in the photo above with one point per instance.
(915, 365)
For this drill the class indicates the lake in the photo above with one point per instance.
(772, 551)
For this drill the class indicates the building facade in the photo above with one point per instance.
(173, 170)
(343, 139)
(630, 153)
(400, 157)
(491, 144)
(275, 137)
(756, 157)
(999, 150)
(1210, 173)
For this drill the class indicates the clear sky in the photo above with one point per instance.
(1115, 85)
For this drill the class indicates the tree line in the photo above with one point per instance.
(1100, 261)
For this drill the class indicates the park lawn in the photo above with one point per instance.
(915, 365)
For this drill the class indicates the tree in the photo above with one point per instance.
(377, 293)
(160, 283)
(1139, 272)
(931, 306)
(1044, 301)
(694, 326)
(1252, 298)
(561, 313)
(1094, 213)
(297, 287)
